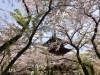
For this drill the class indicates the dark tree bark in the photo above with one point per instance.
(29, 43)
(95, 33)
(14, 39)
(78, 56)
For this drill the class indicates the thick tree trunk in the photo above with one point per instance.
(82, 65)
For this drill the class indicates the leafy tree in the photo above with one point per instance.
(75, 22)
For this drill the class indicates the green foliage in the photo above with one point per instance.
(17, 15)
(90, 67)
(18, 12)
(34, 70)
(9, 53)
(8, 50)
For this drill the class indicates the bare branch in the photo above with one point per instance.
(82, 37)
(26, 7)
(29, 43)
(90, 16)
(2, 57)
(94, 35)
(75, 32)
(12, 40)
(36, 7)
(84, 43)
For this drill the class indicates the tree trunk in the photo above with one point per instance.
(82, 65)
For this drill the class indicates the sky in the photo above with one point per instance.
(9, 7)
(6, 6)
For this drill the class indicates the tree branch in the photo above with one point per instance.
(29, 43)
(95, 33)
(26, 7)
(14, 39)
